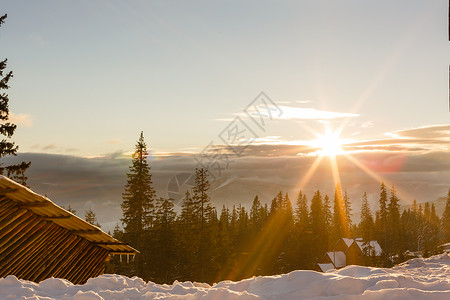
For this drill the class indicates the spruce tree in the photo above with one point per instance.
(348, 212)
(445, 221)
(7, 147)
(256, 216)
(203, 211)
(163, 236)
(302, 213)
(319, 234)
(340, 227)
(328, 219)
(188, 242)
(393, 222)
(303, 233)
(366, 225)
(91, 218)
(381, 218)
(138, 202)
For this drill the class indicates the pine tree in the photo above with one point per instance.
(15, 172)
(327, 212)
(256, 216)
(319, 234)
(328, 219)
(163, 254)
(445, 221)
(70, 209)
(203, 210)
(340, 227)
(381, 218)
(224, 245)
(91, 218)
(302, 212)
(394, 230)
(303, 233)
(366, 225)
(348, 212)
(188, 242)
(138, 203)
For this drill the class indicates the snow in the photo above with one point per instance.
(326, 267)
(374, 246)
(415, 279)
(338, 258)
(348, 242)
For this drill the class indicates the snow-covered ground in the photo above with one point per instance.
(414, 279)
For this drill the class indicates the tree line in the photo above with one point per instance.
(201, 244)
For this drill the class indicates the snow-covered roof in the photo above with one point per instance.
(348, 242)
(338, 258)
(370, 246)
(446, 246)
(326, 267)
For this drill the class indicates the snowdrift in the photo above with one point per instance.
(414, 279)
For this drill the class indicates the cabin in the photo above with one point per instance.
(39, 239)
(349, 252)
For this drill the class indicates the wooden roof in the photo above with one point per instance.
(43, 207)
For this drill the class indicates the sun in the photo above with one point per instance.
(329, 144)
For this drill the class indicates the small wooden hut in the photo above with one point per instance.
(39, 239)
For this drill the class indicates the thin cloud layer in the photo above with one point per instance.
(302, 113)
(98, 183)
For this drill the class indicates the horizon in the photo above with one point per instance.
(286, 81)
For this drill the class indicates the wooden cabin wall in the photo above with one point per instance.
(34, 249)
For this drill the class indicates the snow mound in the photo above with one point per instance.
(414, 279)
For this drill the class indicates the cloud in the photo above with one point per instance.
(427, 138)
(53, 148)
(301, 113)
(263, 170)
(417, 161)
(21, 120)
(438, 132)
(368, 124)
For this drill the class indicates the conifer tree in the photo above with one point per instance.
(303, 233)
(327, 212)
(328, 219)
(188, 242)
(163, 255)
(224, 245)
(203, 210)
(256, 216)
(445, 221)
(319, 236)
(366, 224)
(138, 202)
(340, 226)
(302, 212)
(394, 232)
(7, 147)
(91, 218)
(381, 218)
(348, 212)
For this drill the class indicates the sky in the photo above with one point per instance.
(89, 76)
